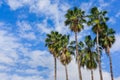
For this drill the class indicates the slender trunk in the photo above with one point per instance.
(91, 69)
(111, 70)
(92, 78)
(99, 57)
(55, 68)
(79, 69)
(66, 72)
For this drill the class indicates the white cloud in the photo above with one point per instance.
(117, 78)
(73, 74)
(17, 77)
(42, 58)
(29, 35)
(24, 26)
(54, 11)
(5, 59)
(103, 3)
(117, 15)
(112, 20)
(26, 30)
(106, 4)
(1, 24)
(42, 5)
(86, 6)
(116, 46)
(10, 55)
(43, 27)
(8, 45)
(16, 4)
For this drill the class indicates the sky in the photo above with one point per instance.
(23, 28)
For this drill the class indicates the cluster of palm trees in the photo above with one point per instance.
(87, 52)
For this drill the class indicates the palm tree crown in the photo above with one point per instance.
(107, 39)
(52, 42)
(75, 19)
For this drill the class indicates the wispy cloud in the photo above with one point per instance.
(16, 4)
(86, 6)
(44, 27)
(13, 63)
(7, 47)
(26, 30)
(118, 14)
(116, 46)
(1, 23)
(54, 11)
(103, 3)
(112, 20)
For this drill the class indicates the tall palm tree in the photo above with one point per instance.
(65, 59)
(52, 42)
(106, 40)
(81, 51)
(65, 56)
(90, 55)
(75, 20)
(97, 19)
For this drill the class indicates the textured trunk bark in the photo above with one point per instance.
(111, 70)
(79, 69)
(99, 57)
(92, 78)
(66, 72)
(55, 69)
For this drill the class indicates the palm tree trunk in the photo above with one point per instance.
(99, 57)
(66, 72)
(91, 69)
(92, 78)
(79, 69)
(55, 68)
(111, 70)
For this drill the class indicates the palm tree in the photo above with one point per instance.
(75, 20)
(97, 19)
(65, 59)
(81, 51)
(52, 42)
(90, 56)
(106, 40)
(65, 56)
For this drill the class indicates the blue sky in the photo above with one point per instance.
(23, 28)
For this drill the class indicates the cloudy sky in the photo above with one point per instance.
(23, 28)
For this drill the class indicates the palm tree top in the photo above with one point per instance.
(75, 18)
(52, 42)
(97, 16)
(107, 38)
